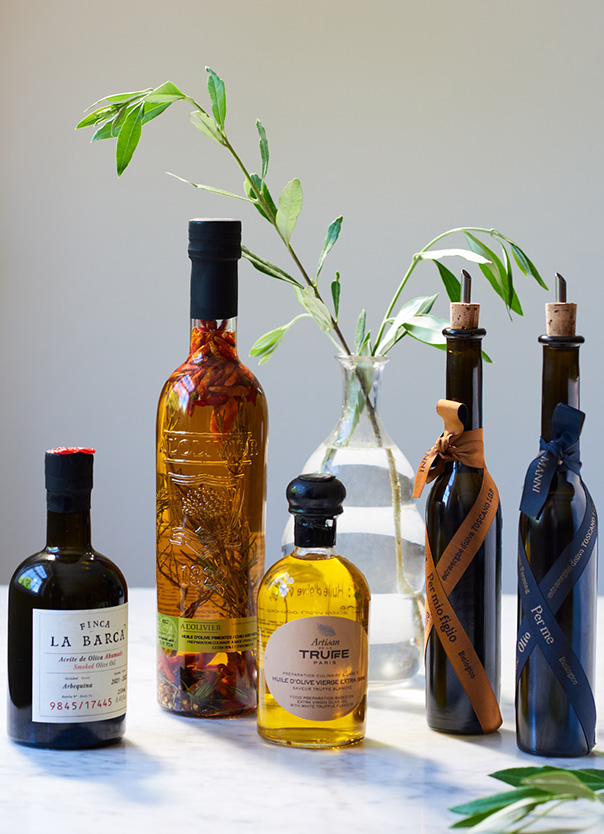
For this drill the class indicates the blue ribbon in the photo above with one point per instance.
(561, 658)
(541, 601)
(562, 451)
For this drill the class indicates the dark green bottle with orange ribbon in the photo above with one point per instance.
(557, 563)
(463, 546)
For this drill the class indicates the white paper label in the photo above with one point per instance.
(79, 660)
(316, 667)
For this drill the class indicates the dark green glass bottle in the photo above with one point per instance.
(546, 722)
(476, 597)
(67, 625)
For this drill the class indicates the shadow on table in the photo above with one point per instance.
(124, 766)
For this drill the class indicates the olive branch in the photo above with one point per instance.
(122, 117)
(537, 792)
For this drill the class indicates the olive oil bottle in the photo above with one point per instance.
(313, 609)
(211, 496)
(67, 624)
(557, 563)
(463, 544)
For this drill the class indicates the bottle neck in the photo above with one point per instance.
(313, 532)
(560, 382)
(215, 338)
(315, 552)
(68, 530)
(464, 372)
(213, 288)
(362, 378)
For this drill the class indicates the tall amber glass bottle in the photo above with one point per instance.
(555, 709)
(475, 598)
(211, 495)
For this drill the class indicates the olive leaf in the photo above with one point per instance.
(332, 235)
(397, 330)
(128, 137)
(525, 265)
(267, 200)
(436, 254)
(495, 273)
(263, 143)
(451, 283)
(268, 268)
(427, 329)
(290, 206)
(335, 295)
(359, 332)
(308, 299)
(206, 124)
(544, 787)
(210, 188)
(264, 347)
(217, 96)
(166, 92)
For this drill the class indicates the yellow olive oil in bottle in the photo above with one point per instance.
(463, 542)
(557, 563)
(313, 609)
(211, 495)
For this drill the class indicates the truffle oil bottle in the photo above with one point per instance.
(313, 609)
(463, 546)
(67, 625)
(557, 563)
(211, 491)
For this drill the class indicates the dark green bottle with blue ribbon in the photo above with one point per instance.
(557, 563)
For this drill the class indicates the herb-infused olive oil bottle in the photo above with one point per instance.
(557, 563)
(313, 609)
(463, 546)
(211, 495)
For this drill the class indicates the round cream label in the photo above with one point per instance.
(316, 667)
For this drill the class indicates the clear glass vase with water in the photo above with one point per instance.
(381, 529)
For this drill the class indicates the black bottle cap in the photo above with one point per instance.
(215, 239)
(214, 249)
(316, 494)
(315, 500)
(68, 476)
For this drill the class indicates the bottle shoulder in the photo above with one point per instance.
(70, 575)
(564, 506)
(293, 569)
(457, 484)
(210, 382)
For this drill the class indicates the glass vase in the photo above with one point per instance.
(381, 530)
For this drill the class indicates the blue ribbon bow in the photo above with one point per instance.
(562, 451)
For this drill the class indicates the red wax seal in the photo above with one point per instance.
(70, 450)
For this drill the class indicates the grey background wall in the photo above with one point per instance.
(408, 118)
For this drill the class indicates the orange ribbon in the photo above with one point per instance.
(467, 448)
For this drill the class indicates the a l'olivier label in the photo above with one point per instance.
(79, 660)
(216, 635)
(316, 667)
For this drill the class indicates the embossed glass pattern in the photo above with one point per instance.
(211, 485)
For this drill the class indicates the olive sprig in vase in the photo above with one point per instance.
(122, 117)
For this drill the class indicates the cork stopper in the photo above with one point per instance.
(464, 314)
(560, 315)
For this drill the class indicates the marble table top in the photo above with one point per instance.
(177, 774)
